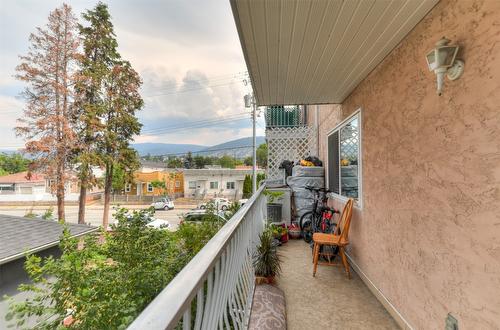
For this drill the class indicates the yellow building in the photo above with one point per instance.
(156, 183)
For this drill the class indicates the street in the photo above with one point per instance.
(93, 213)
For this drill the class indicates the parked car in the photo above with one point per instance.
(220, 204)
(163, 204)
(158, 224)
(199, 216)
(151, 222)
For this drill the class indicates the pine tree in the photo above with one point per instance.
(99, 56)
(48, 69)
(121, 124)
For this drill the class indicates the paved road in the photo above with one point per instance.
(93, 213)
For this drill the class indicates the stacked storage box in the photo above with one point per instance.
(304, 176)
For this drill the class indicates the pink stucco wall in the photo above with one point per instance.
(428, 235)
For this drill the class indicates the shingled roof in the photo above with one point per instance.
(22, 177)
(20, 235)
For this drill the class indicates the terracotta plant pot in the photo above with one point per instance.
(264, 280)
(284, 238)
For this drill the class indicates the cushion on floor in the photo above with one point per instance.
(268, 308)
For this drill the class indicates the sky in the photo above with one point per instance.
(186, 51)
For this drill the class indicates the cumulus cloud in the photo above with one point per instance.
(187, 53)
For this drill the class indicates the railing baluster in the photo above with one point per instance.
(199, 308)
(186, 319)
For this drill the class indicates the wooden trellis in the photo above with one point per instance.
(288, 143)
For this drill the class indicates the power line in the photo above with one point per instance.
(175, 85)
(201, 125)
(202, 121)
(192, 89)
(204, 151)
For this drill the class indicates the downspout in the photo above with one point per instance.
(316, 126)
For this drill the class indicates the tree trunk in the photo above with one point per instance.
(82, 200)
(107, 195)
(60, 201)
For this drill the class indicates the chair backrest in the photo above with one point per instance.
(345, 221)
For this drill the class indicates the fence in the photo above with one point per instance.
(139, 199)
(215, 290)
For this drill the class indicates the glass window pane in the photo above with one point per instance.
(349, 154)
(333, 162)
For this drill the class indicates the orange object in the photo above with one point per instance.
(339, 238)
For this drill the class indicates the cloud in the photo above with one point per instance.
(187, 53)
(10, 111)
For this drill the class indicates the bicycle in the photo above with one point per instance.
(320, 218)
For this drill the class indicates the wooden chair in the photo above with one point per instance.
(339, 238)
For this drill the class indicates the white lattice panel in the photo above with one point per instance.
(288, 143)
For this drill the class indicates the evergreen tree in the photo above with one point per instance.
(247, 186)
(108, 91)
(48, 69)
(121, 124)
(99, 56)
(188, 161)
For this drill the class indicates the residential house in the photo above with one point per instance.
(418, 150)
(33, 187)
(19, 236)
(214, 181)
(173, 181)
(148, 166)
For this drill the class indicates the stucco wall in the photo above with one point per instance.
(428, 235)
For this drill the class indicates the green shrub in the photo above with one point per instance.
(109, 281)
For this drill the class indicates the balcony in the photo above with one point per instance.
(215, 290)
(285, 116)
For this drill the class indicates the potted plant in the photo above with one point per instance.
(266, 260)
(294, 231)
(284, 234)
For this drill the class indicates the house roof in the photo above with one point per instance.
(152, 164)
(19, 235)
(22, 177)
(312, 52)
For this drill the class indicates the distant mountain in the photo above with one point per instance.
(239, 148)
(158, 149)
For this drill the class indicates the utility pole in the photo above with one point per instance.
(254, 168)
(250, 102)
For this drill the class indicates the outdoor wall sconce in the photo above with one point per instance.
(442, 61)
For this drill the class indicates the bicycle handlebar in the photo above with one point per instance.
(317, 189)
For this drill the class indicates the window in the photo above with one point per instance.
(214, 185)
(230, 185)
(128, 187)
(150, 187)
(192, 184)
(7, 187)
(344, 158)
(177, 184)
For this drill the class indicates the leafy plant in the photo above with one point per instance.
(30, 214)
(267, 260)
(109, 278)
(48, 214)
(272, 195)
(231, 210)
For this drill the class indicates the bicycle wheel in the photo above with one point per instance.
(306, 226)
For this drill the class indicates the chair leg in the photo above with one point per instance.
(344, 261)
(315, 258)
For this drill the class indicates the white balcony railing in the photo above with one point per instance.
(215, 289)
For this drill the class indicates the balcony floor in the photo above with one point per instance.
(330, 300)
